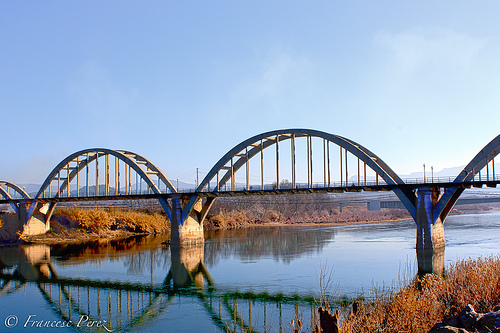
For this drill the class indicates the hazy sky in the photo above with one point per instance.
(182, 82)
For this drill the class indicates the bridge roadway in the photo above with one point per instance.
(267, 191)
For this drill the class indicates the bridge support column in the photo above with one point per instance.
(430, 232)
(185, 230)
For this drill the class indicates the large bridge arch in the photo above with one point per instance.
(259, 142)
(71, 167)
(475, 166)
(240, 155)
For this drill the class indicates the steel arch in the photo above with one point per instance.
(131, 159)
(5, 192)
(451, 194)
(373, 161)
(259, 142)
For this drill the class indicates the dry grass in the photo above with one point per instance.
(425, 302)
(232, 218)
(102, 220)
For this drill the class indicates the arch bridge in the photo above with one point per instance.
(275, 162)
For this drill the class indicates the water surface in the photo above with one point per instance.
(253, 279)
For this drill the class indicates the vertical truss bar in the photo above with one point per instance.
(218, 185)
(107, 175)
(58, 184)
(87, 178)
(149, 187)
(376, 177)
(232, 175)
(116, 175)
(311, 159)
(308, 162)
(247, 171)
(67, 180)
(77, 176)
(277, 162)
(364, 174)
(341, 169)
(324, 163)
(328, 161)
(119, 178)
(346, 171)
(262, 164)
(136, 183)
(159, 182)
(358, 173)
(493, 165)
(487, 172)
(292, 147)
(126, 178)
(97, 174)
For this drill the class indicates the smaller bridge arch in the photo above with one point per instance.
(10, 190)
(105, 172)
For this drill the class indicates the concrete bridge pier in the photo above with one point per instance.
(430, 232)
(28, 220)
(185, 228)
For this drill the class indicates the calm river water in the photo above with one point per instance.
(241, 280)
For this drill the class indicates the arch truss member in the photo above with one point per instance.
(102, 172)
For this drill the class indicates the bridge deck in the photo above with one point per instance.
(272, 191)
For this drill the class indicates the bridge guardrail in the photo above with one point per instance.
(338, 184)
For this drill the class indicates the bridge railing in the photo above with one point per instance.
(480, 177)
(336, 184)
(288, 186)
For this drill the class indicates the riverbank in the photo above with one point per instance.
(430, 302)
(230, 219)
(77, 225)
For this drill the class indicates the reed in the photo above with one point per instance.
(426, 301)
(102, 220)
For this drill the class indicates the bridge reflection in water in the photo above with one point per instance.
(94, 305)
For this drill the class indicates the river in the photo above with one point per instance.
(255, 279)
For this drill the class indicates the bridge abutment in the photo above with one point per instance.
(430, 232)
(185, 230)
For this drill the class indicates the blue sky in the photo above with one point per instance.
(183, 82)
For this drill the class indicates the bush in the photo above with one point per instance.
(423, 303)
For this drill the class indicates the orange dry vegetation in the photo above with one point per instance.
(102, 220)
(425, 302)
